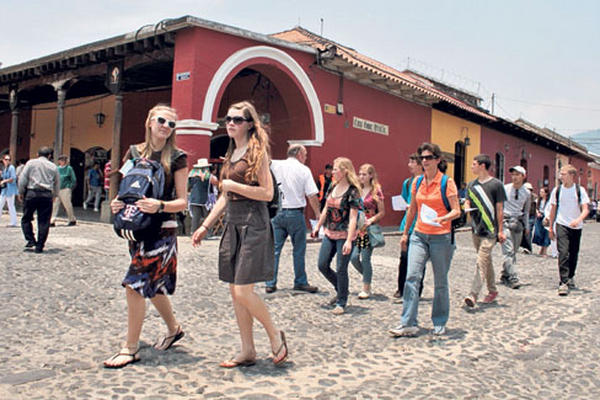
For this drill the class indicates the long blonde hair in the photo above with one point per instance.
(346, 165)
(374, 180)
(170, 147)
(258, 143)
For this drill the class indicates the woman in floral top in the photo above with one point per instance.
(372, 196)
(339, 220)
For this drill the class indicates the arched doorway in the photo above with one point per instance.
(278, 100)
(459, 163)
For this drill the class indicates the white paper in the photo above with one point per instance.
(313, 223)
(428, 215)
(126, 167)
(398, 203)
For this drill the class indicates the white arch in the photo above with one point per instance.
(285, 59)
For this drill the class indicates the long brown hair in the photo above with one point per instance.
(374, 180)
(170, 147)
(258, 143)
(346, 165)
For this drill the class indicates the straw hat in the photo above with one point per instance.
(202, 163)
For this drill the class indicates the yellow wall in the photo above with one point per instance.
(80, 128)
(446, 130)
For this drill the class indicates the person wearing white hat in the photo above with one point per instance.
(201, 194)
(515, 224)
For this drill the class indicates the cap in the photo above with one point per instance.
(519, 169)
(202, 163)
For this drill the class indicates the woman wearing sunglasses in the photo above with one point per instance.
(153, 267)
(246, 251)
(339, 220)
(430, 240)
(8, 182)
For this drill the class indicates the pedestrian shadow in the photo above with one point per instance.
(356, 310)
(176, 355)
(379, 297)
(482, 307)
(52, 250)
(451, 335)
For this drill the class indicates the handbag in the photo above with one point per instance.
(376, 238)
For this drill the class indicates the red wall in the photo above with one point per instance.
(493, 141)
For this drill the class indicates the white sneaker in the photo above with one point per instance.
(404, 331)
(439, 330)
(96, 210)
(338, 310)
(364, 295)
(85, 206)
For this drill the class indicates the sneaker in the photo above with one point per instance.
(52, 225)
(29, 245)
(404, 331)
(504, 280)
(491, 296)
(563, 289)
(338, 310)
(571, 284)
(439, 330)
(306, 288)
(397, 295)
(96, 210)
(514, 284)
(72, 223)
(470, 301)
(270, 289)
(364, 295)
(84, 206)
(332, 300)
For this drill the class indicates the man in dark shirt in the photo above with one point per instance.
(485, 198)
(324, 183)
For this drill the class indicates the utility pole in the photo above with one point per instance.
(493, 100)
(321, 27)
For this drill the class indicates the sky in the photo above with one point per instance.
(540, 58)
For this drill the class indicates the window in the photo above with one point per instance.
(500, 166)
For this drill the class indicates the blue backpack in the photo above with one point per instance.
(146, 178)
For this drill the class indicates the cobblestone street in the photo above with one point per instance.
(64, 312)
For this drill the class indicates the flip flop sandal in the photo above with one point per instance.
(132, 358)
(281, 347)
(234, 364)
(169, 340)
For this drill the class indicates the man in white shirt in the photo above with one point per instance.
(516, 215)
(569, 209)
(296, 184)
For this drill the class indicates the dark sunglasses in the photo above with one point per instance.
(427, 157)
(236, 120)
(7, 159)
(162, 121)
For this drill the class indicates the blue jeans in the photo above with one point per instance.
(338, 278)
(290, 222)
(361, 259)
(439, 249)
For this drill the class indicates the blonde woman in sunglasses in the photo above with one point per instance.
(152, 272)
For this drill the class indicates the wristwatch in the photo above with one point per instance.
(161, 208)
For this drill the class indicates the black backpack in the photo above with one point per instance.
(275, 204)
(146, 178)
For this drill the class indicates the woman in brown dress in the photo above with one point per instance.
(153, 267)
(246, 251)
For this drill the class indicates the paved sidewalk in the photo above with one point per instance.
(64, 312)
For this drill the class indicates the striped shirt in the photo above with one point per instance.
(484, 196)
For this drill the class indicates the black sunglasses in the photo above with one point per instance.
(236, 120)
(428, 157)
(162, 121)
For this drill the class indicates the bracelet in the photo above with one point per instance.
(204, 226)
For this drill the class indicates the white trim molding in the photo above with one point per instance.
(286, 60)
(195, 127)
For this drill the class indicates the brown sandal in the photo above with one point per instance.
(283, 346)
(132, 358)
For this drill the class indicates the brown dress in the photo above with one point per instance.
(246, 251)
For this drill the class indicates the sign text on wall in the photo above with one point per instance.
(370, 126)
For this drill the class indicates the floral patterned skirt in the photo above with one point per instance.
(153, 268)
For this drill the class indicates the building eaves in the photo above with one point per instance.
(165, 28)
(371, 72)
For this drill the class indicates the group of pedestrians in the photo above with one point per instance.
(347, 205)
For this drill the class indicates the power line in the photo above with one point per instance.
(551, 105)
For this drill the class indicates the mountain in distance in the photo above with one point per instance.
(590, 139)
